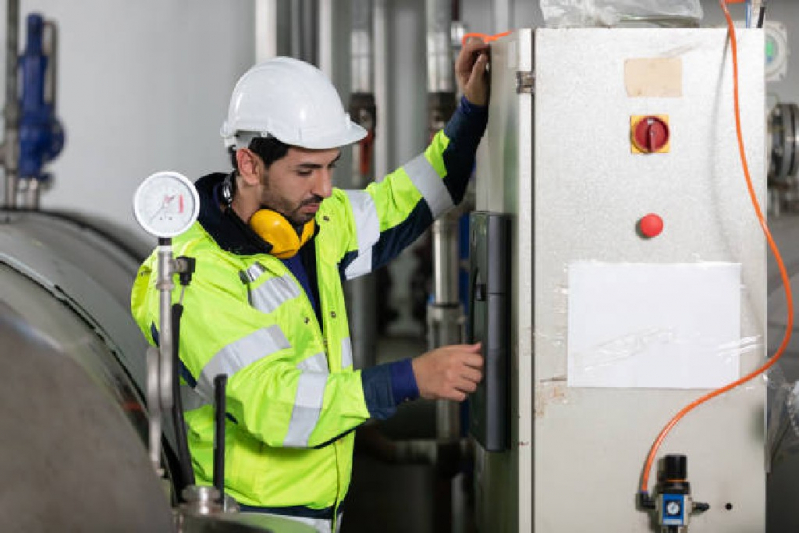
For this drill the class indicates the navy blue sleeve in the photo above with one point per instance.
(470, 108)
(386, 386)
(403, 381)
(464, 130)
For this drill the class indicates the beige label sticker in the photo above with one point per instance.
(653, 77)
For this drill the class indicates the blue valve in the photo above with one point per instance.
(41, 136)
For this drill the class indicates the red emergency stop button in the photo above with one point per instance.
(650, 134)
(650, 225)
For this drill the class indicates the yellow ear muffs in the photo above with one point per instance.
(277, 231)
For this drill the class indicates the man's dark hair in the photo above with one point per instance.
(269, 149)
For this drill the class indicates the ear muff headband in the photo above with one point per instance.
(277, 231)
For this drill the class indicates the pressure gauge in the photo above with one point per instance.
(166, 204)
(672, 508)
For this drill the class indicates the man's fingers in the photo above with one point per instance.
(474, 360)
(464, 347)
(466, 386)
(473, 375)
(467, 59)
(479, 69)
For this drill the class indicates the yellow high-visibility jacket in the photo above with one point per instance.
(293, 396)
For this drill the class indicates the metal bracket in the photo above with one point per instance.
(525, 82)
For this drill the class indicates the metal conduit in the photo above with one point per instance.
(10, 147)
(444, 311)
(361, 46)
(362, 291)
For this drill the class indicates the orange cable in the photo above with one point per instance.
(484, 36)
(783, 273)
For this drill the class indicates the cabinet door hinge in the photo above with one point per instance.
(525, 82)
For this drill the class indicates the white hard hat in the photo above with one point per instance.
(292, 101)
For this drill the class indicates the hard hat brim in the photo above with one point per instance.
(344, 137)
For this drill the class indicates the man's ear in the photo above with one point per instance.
(248, 163)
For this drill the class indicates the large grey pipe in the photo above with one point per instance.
(439, 54)
(380, 49)
(362, 292)
(304, 30)
(444, 312)
(10, 147)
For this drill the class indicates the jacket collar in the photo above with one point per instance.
(224, 226)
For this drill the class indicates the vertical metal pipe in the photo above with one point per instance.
(361, 46)
(445, 256)
(362, 293)
(439, 55)
(11, 111)
(31, 191)
(501, 13)
(326, 37)
(308, 33)
(165, 286)
(154, 409)
(380, 53)
(295, 32)
(266, 29)
(441, 98)
(443, 313)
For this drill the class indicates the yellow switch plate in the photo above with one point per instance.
(634, 120)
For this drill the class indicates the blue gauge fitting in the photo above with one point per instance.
(41, 136)
(672, 500)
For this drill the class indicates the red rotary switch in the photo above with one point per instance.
(650, 134)
(650, 225)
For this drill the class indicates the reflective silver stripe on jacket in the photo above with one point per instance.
(252, 273)
(346, 352)
(239, 354)
(273, 292)
(315, 363)
(430, 184)
(307, 408)
(367, 225)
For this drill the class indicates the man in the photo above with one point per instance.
(266, 307)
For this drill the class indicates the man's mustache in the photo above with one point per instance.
(313, 200)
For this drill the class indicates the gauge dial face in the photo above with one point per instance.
(166, 204)
(672, 508)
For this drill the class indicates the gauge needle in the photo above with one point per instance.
(164, 206)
